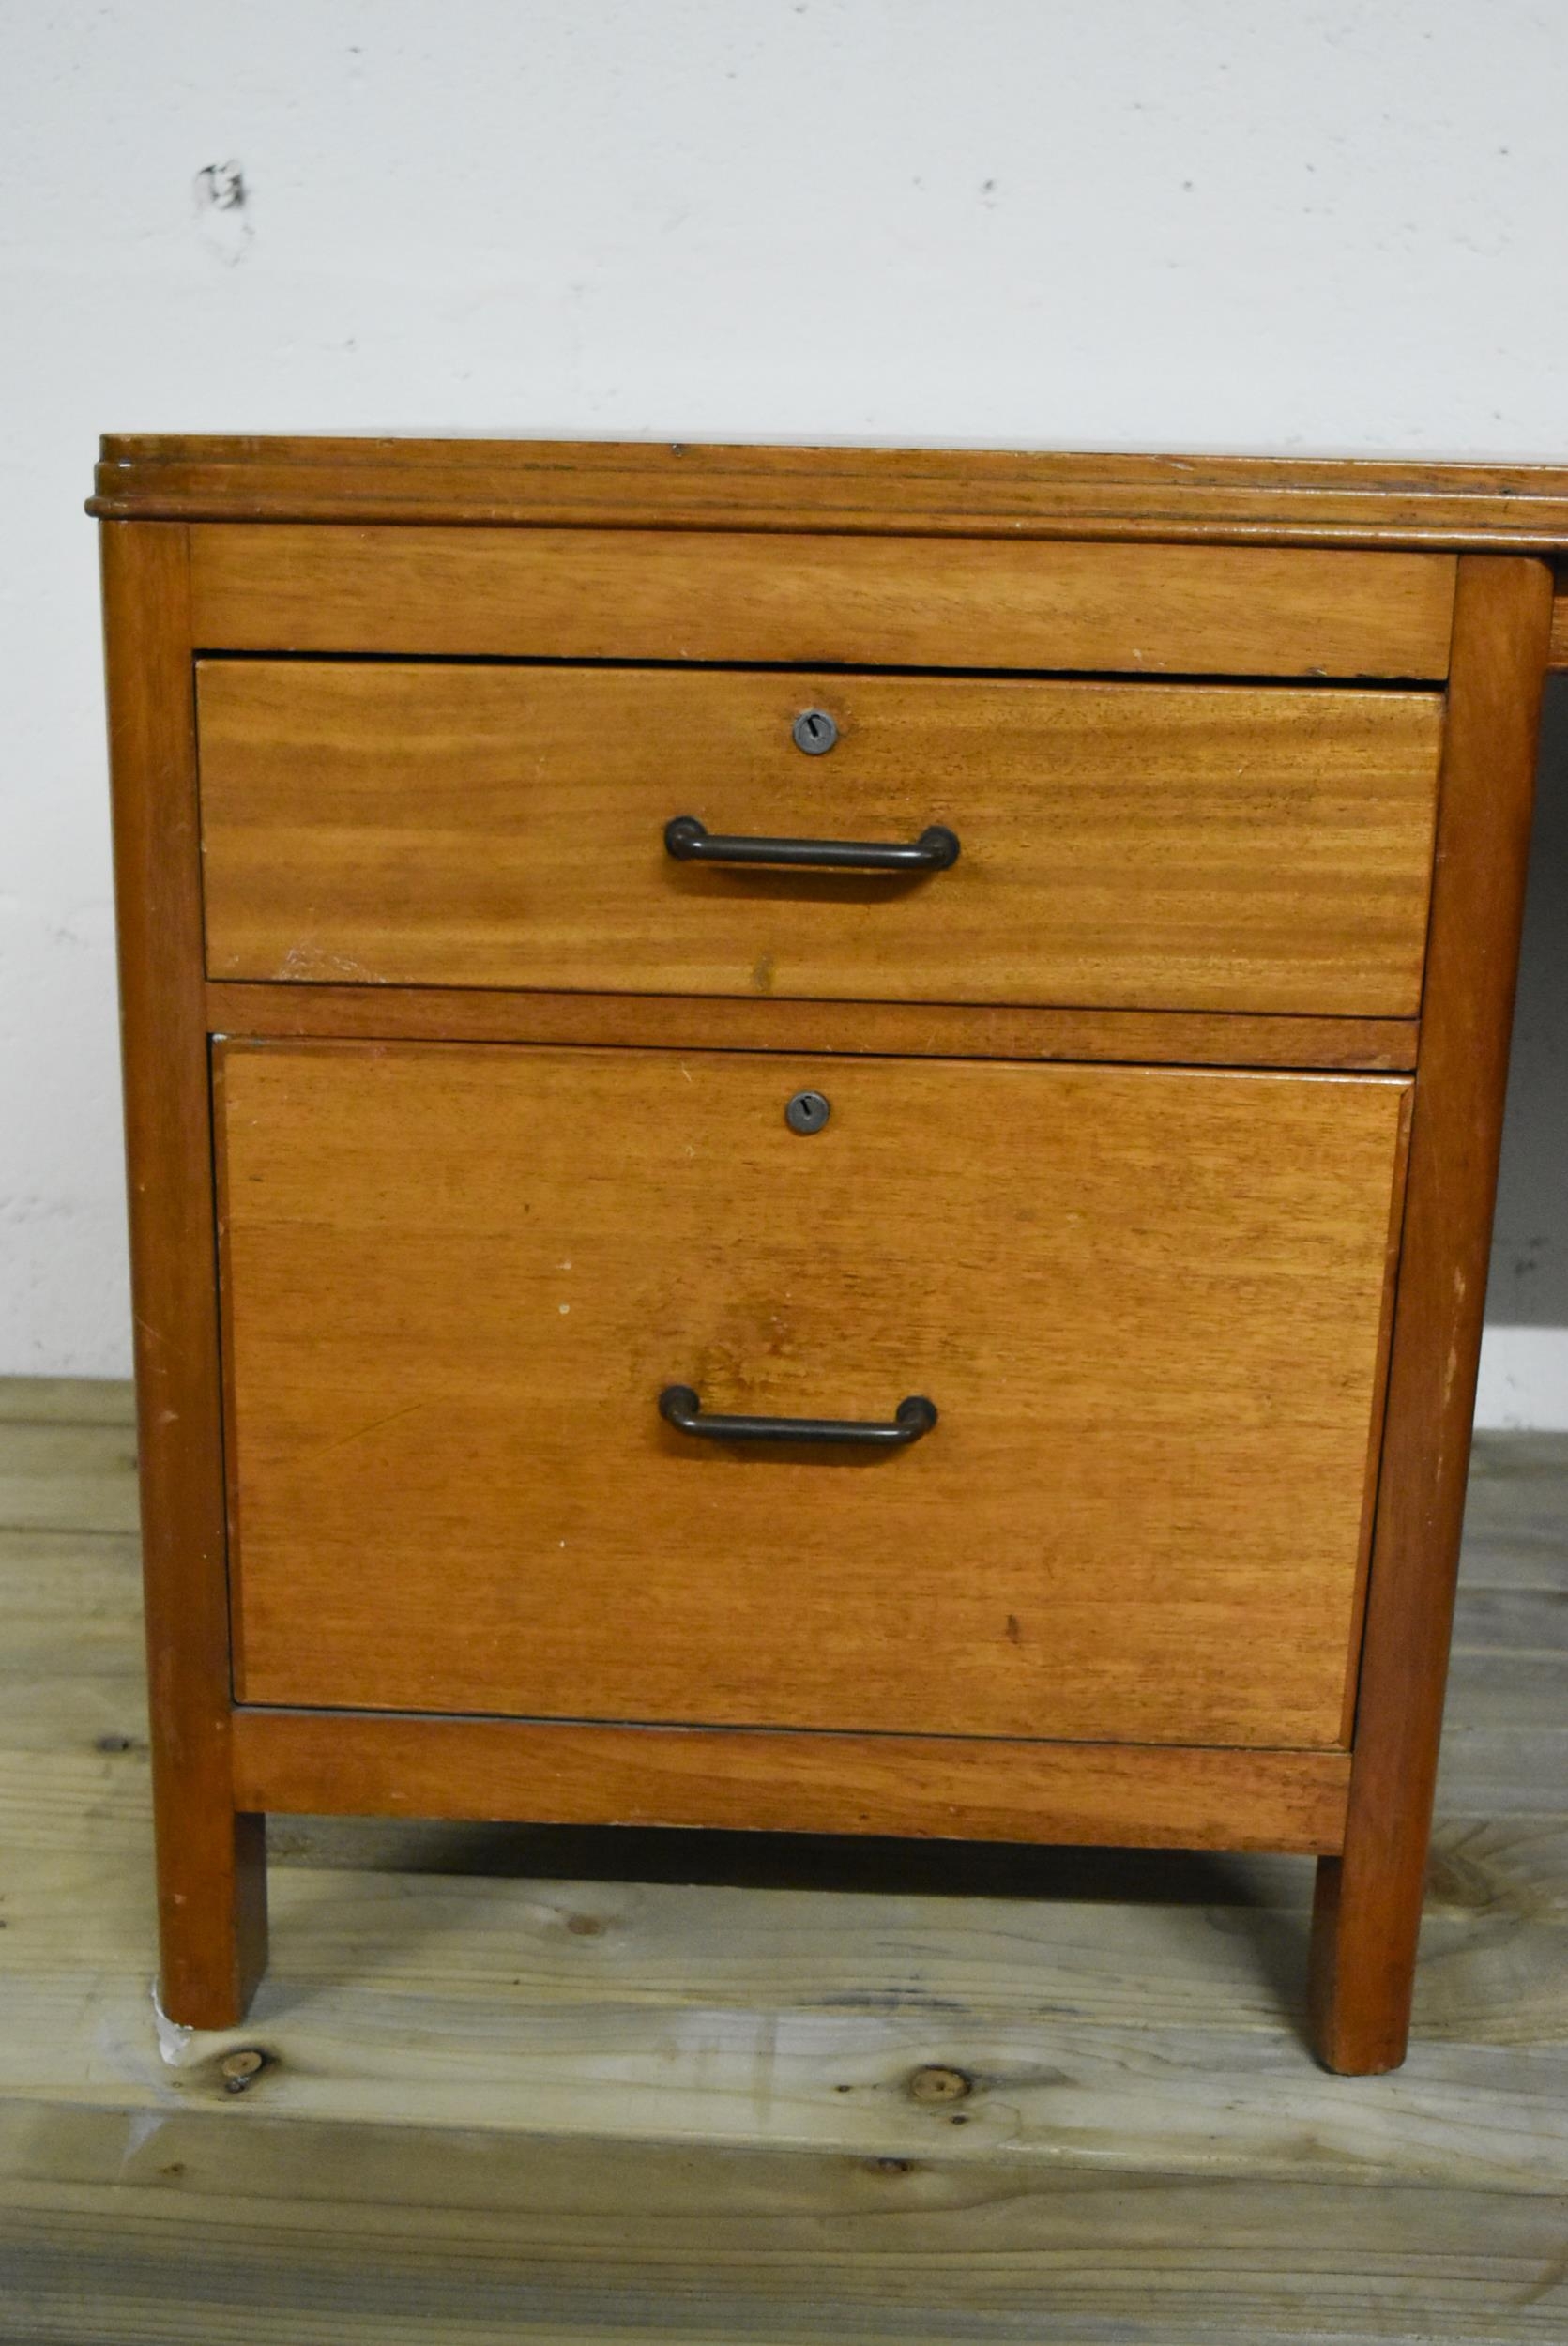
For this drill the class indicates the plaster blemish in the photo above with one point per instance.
(221, 201)
(222, 186)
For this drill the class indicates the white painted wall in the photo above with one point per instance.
(1092, 223)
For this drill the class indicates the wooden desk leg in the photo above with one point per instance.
(210, 1862)
(1368, 1908)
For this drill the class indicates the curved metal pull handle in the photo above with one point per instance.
(679, 1406)
(934, 850)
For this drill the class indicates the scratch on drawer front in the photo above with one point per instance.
(359, 1432)
(308, 961)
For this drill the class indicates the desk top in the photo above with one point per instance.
(946, 492)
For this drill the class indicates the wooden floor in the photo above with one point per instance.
(522, 2084)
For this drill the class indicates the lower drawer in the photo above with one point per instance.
(1149, 1305)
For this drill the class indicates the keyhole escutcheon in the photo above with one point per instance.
(814, 732)
(807, 1112)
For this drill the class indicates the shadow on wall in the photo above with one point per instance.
(1530, 1247)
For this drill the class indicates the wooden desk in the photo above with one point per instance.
(812, 1139)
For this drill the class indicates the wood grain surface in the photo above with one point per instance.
(808, 598)
(211, 1866)
(192, 2230)
(1135, 846)
(967, 492)
(974, 1788)
(1167, 1293)
(1556, 645)
(383, 1014)
(1148, 1305)
(1369, 1911)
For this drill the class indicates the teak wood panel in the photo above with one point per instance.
(1557, 647)
(1148, 1304)
(808, 600)
(958, 492)
(1123, 844)
(212, 1883)
(386, 1013)
(1369, 1905)
(970, 1787)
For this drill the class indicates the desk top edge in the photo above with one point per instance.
(1341, 501)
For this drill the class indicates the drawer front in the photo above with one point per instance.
(1148, 1305)
(1121, 845)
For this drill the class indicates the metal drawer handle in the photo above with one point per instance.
(934, 850)
(679, 1406)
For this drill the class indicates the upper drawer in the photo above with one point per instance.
(1173, 846)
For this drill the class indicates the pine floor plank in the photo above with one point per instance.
(1513, 1519)
(198, 2226)
(1531, 1621)
(66, 1401)
(1508, 1689)
(1129, 2036)
(70, 1602)
(72, 1711)
(63, 1477)
(1135, 2100)
(1503, 1771)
